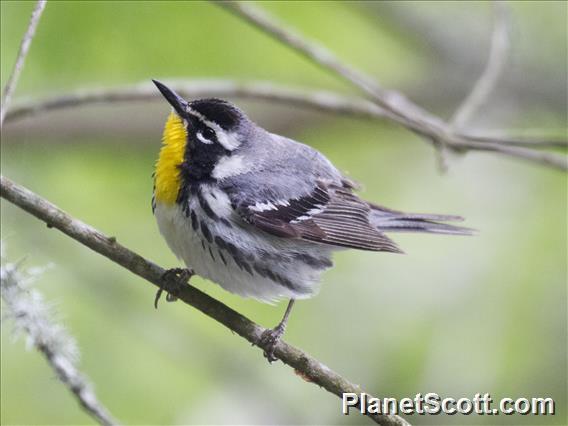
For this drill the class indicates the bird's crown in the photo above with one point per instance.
(218, 111)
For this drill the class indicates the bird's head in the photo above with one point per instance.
(201, 141)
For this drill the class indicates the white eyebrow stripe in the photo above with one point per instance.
(228, 140)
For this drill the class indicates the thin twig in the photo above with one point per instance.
(33, 317)
(394, 104)
(493, 69)
(552, 160)
(22, 53)
(50, 339)
(318, 100)
(308, 367)
(526, 142)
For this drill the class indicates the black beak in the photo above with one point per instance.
(173, 98)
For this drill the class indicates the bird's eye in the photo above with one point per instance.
(209, 133)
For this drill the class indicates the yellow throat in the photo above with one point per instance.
(167, 179)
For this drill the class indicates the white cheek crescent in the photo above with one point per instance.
(229, 166)
(202, 139)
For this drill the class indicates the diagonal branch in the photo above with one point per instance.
(392, 102)
(493, 69)
(395, 105)
(22, 53)
(308, 367)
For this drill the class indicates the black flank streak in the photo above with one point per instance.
(221, 243)
(241, 263)
(232, 249)
(261, 271)
(248, 268)
(205, 231)
(271, 275)
(186, 210)
(238, 256)
(238, 262)
(250, 257)
(267, 273)
(285, 282)
(194, 222)
(205, 206)
(211, 253)
(315, 262)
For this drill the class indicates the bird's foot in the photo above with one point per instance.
(173, 280)
(270, 339)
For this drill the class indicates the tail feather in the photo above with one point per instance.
(387, 220)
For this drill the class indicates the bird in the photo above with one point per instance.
(261, 214)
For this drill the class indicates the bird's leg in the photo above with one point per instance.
(270, 337)
(173, 281)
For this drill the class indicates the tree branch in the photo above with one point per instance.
(320, 100)
(309, 368)
(495, 64)
(394, 104)
(22, 53)
(33, 317)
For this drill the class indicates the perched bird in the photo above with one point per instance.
(258, 213)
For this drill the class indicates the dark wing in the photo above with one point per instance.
(329, 214)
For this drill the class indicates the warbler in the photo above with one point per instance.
(258, 213)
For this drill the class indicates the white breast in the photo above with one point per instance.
(217, 265)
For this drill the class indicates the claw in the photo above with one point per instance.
(157, 298)
(173, 279)
(269, 340)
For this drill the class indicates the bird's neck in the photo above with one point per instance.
(167, 177)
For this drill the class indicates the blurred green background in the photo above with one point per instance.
(455, 316)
